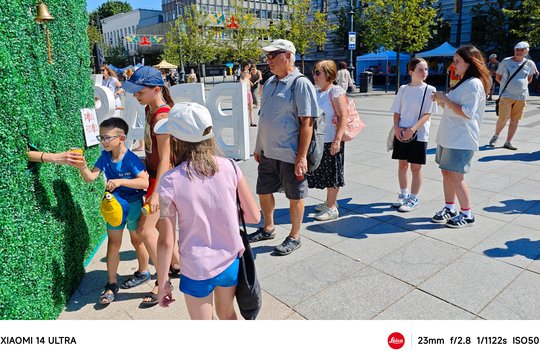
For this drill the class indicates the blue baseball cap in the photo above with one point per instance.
(143, 76)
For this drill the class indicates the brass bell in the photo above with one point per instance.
(43, 14)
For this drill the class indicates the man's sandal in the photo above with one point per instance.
(151, 299)
(107, 296)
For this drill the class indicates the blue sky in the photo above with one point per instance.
(135, 4)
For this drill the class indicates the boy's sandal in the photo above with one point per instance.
(151, 299)
(107, 296)
(174, 273)
(136, 279)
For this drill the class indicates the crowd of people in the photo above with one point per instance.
(186, 183)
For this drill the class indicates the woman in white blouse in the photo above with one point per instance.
(457, 138)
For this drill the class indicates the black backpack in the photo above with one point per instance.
(316, 146)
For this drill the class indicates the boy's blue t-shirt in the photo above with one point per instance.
(127, 168)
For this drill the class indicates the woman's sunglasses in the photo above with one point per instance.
(317, 73)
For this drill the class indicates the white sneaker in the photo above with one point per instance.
(401, 200)
(410, 205)
(320, 207)
(327, 214)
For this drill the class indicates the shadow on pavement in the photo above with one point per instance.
(524, 247)
(515, 206)
(525, 157)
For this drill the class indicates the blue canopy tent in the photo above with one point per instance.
(385, 58)
(445, 50)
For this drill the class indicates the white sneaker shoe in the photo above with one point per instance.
(401, 200)
(410, 205)
(320, 207)
(327, 214)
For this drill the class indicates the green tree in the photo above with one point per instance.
(306, 28)
(244, 44)
(341, 33)
(94, 36)
(440, 30)
(528, 18)
(491, 22)
(399, 25)
(192, 39)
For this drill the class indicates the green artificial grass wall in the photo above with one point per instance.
(49, 217)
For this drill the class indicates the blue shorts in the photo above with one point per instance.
(133, 217)
(203, 288)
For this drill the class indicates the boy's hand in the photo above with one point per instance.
(113, 184)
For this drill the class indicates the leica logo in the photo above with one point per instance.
(396, 340)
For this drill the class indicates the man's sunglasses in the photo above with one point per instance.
(273, 54)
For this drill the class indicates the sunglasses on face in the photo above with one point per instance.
(105, 138)
(102, 70)
(273, 54)
(317, 73)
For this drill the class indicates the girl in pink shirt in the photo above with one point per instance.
(200, 193)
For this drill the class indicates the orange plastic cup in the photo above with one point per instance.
(76, 150)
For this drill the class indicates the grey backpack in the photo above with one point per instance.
(316, 146)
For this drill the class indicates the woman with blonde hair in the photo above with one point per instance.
(201, 194)
(111, 81)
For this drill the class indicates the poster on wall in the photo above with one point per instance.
(90, 126)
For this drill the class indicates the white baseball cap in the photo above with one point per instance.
(493, 56)
(187, 122)
(280, 44)
(522, 45)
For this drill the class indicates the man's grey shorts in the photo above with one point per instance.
(275, 176)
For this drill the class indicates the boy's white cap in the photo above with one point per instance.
(186, 122)
(280, 44)
(522, 45)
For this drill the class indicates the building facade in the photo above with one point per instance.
(118, 28)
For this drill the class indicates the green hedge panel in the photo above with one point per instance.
(49, 217)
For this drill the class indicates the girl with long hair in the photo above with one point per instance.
(457, 138)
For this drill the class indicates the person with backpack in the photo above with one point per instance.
(514, 75)
(287, 116)
(329, 175)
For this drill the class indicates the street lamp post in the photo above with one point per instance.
(181, 71)
(351, 64)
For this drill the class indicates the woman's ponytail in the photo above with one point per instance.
(167, 96)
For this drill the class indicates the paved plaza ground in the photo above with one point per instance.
(376, 263)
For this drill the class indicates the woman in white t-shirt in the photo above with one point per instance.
(412, 110)
(331, 99)
(457, 138)
(200, 193)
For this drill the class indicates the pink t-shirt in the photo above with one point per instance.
(209, 236)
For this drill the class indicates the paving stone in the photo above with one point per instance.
(375, 242)
(519, 301)
(307, 277)
(360, 296)
(418, 260)
(531, 217)
(471, 282)
(417, 305)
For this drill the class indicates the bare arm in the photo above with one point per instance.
(69, 158)
(306, 132)
(340, 107)
(498, 78)
(164, 151)
(252, 213)
(455, 107)
(140, 182)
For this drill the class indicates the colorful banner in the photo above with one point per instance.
(145, 40)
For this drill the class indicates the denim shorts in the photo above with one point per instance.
(454, 160)
(203, 288)
(132, 219)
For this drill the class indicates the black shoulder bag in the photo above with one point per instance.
(248, 290)
(505, 85)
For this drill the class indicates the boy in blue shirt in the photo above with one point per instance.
(126, 179)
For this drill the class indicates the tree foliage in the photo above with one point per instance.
(341, 33)
(305, 27)
(492, 21)
(244, 44)
(400, 25)
(528, 21)
(192, 39)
